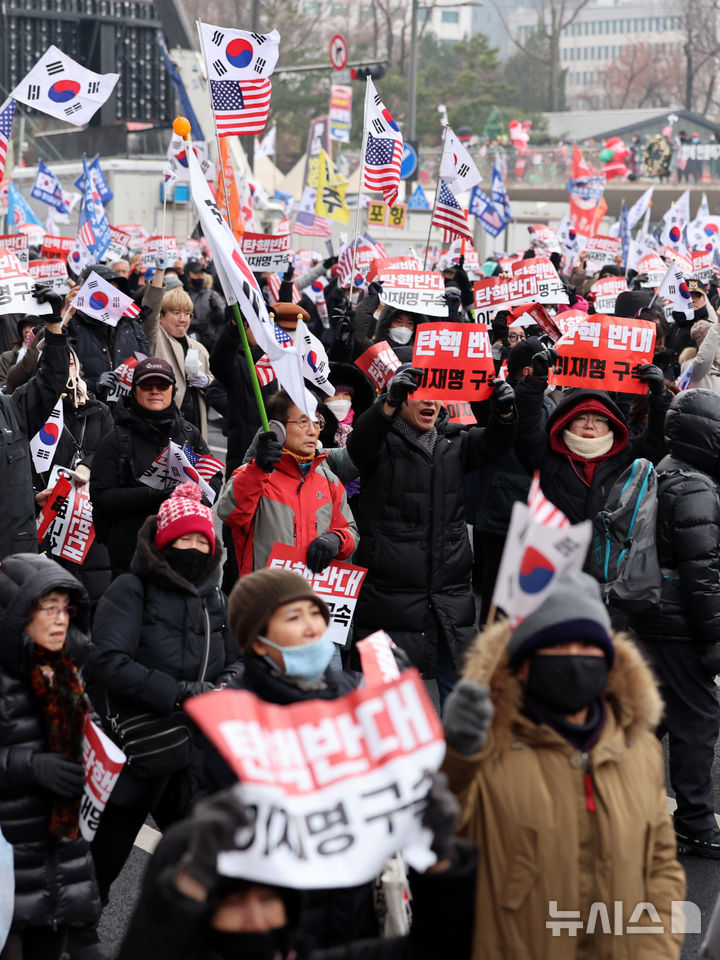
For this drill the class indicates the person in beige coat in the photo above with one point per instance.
(560, 780)
(167, 330)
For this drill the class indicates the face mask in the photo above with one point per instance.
(566, 683)
(340, 408)
(190, 564)
(197, 284)
(248, 946)
(401, 335)
(304, 663)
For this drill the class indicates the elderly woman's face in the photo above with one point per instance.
(50, 619)
(293, 624)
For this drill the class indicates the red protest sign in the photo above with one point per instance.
(378, 663)
(604, 353)
(495, 292)
(55, 247)
(682, 260)
(408, 262)
(378, 362)
(606, 291)
(539, 316)
(457, 360)
(702, 265)
(460, 412)
(103, 762)
(18, 244)
(54, 503)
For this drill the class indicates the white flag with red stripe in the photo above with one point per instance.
(541, 509)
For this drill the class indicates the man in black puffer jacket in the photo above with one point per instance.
(681, 633)
(411, 520)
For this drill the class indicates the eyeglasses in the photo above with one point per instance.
(148, 385)
(515, 336)
(304, 422)
(586, 418)
(55, 610)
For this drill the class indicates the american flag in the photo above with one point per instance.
(381, 170)
(6, 120)
(449, 214)
(264, 369)
(205, 464)
(240, 106)
(311, 225)
(87, 234)
(542, 510)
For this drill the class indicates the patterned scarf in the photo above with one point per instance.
(425, 439)
(60, 698)
(344, 429)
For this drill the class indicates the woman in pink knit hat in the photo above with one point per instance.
(159, 637)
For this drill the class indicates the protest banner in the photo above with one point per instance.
(702, 265)
(419, 291)
(383, 264)
(653, 266)
(154, 245)
(378, 362)
(70, 533)
(457, 361)
(535, 313)
(264, 251)
(338, 584)
(119, 244)
(550, 286)
(123, 380)
(569, 319)
(103, 761)
(55, 247)
(379, 666)
(460, 411)
(16, 288)
(606, 291)
(496, 293)
(50, 273)
(681, 258)
(334, 787)
(18, 244)
(543, 239)
(603, 353)
(599, 252)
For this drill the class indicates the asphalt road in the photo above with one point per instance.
(703, 876)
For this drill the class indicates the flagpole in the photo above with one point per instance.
(217, 135)
(437, 192)
(363, 150)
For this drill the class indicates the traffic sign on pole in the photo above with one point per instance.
(338, 52)
(409, 161)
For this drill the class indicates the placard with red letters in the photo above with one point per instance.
(266, 251)
(654, 267)
(103, 761)
(539, 316)
(71, 533)
(408, 262)
(55, 247)
(379, 362)
(335, 786)
(338, 584)
(681, 259)
(418, 291)
(152, 247)
(18, 244)
(604, 353)
(496, 292)
(50, 273)
(702, 265)
(16, 288)
(606, 292)
(600, 252)
(457, 360)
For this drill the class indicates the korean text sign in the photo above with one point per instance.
(419, 291)
(265, 251)
(335, 787)
(379, 362)
(103, 762)
(550, 287)
(604, 352)
(457, 360)
(338, 584)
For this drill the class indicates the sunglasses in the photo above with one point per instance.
(147, 385)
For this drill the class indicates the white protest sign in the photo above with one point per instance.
(265, 251)
(18, 244)
(606, 292)
(50, 273)
(71, 533)
(418, 291)
(154, 245)
(336, 786)
(103, 761)
(600, 252)
(16, 288)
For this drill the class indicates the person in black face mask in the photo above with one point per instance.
(208, 306)
(159, 637)
(561, 782)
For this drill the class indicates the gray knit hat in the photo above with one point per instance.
(573, 611)
(255, 598)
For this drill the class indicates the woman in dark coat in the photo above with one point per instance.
(44, 611)
(145, 422)
(159, 637)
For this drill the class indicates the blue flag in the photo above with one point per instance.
(482, 207)
(94, 230)
(19, 210)
(500, 195)
(98, 181)
(48, 189)
(180, 92)
(418, 201)
(624, 233)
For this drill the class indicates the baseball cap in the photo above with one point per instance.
(153, 368)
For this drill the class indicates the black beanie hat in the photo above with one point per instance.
(521, 356)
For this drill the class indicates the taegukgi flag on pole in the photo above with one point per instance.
(44, 444)
(383, 149)
(457, 167)
(676, 292)
(60, 87)
(99, 299)
(238, 54)
(542, 547)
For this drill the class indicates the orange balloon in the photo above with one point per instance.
(181, 126)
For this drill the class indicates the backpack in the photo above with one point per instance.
(623, 552)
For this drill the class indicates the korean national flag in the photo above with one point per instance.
(60, 87)
(237, 54)
(99, 299)
(44, 444)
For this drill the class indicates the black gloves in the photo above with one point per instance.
(375, 289)
(192, 688)
(289, 273)
(268, 451)
(321, 551)
(502, 399)
(403, 384)
(499, 326)
(48, 295)
(215, 823)
(330, 262)
(440, 816)
(542, 362)
(653, 376)
(467, 716)
(58, 774)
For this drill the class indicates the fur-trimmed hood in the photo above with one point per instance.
(631, 693)
(149, 564)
